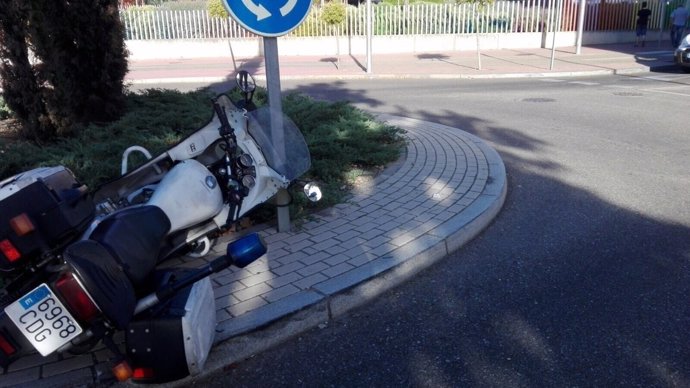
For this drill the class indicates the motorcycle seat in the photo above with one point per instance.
(134, 237)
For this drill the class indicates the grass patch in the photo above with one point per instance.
(342, 140)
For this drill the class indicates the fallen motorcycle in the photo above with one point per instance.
(81, 266)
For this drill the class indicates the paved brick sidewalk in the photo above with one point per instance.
(446, 189)
(417, 214)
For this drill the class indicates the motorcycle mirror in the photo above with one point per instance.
(313, 192)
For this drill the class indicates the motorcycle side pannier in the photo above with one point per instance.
(40, 210)
(173, 340)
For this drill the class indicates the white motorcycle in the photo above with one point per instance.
(83, 266)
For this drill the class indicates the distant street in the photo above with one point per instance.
(583, 279)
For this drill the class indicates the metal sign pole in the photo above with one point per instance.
(370, 32)
(580, 26)
(556, 28)
(275, 104)
(662, 21)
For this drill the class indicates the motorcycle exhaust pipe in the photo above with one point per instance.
(240, 253)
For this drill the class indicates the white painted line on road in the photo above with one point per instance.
(626, 87)
(585, 83)
(666, 92)
(652, 90)
(664, 78)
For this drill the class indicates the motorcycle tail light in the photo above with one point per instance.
(76, 298)
(122, 371)
(143, 374)
(6, 346)
(10, 252)
(22, 225)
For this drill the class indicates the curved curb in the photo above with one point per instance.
(390, 271)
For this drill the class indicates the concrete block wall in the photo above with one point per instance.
(325, 46)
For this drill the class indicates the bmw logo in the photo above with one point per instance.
(211, 182)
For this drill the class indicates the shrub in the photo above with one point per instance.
(341, 139)
(183, 5)
(216, 9)
(94, 154)
(333, 13)
(20, 85)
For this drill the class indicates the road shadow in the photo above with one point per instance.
(358, 63)
(332, 60)
(440, 57)
(325, 90)
(249, 64)
(504, 59)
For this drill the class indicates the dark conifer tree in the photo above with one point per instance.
(80, 61)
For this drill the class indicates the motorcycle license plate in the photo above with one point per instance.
(43, 320)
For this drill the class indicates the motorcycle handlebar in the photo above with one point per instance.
(225, 128)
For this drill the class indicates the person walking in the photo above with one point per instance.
(679, 17)
(642, 19)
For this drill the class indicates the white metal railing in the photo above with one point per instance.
(416, 19)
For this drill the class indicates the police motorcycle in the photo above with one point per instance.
(81, 266)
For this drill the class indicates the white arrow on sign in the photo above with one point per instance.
(287, 8)
(259, 10)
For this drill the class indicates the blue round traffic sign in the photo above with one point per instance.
(268, 17)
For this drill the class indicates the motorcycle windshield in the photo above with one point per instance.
(285, 150)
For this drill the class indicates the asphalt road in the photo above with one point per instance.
(581, 281)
